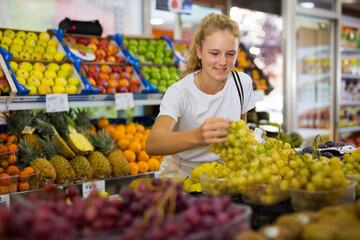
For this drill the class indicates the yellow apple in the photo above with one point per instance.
(39, 66)
(67, 67)
(22, 73)
(21, 80)
(50, 74)
(61, 81)
(37, 73)
(33, 81)
(53, 42)
(44, 89)
(70, 89)
(74, 81)
(53, 67)
(32, 89)
(47, 81)
(63, 73)
(58, 89)
(45, 36)
(14, 66)
(26, 66)
(59, 56)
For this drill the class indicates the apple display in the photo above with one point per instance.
(32, 36)
(48, 57)
(26, 66)
(53, 67)
(6, 40)
(44, 36)
(58, 89)
(21, 35)
(48, 81)
(44, 89)
(36, 56)
(28, 49)
(63, 74)
(33, 81)
(14, 66)
(39, 49)
(25, 55)
(59, 56)
(67, 67)
(50, 74)
(30, 42)
(18, 41)
(42, 43)
(32, 89)
(36, 73)
(9, 33)
(74, 81)
(39, 66)
(71, 89)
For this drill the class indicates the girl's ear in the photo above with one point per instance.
(198, 51)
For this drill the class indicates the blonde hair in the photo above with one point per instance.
(207, 26)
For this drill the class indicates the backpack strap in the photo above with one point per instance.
(239, 88)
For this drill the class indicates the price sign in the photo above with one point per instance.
(57, 103)
(87, 187)
(5, 200)
(124, 101)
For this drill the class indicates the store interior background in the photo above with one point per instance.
(260, 23)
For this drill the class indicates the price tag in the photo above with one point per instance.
(5, 200)
(124, 101)
(57, 103)
(87, 187)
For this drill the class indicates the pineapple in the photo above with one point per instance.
(82, 120)
(33, 158)
(64, 172)
(48, 130)
(106, 145)
(100, 165)
(18, 121)
(82, 168)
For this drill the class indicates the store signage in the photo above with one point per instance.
(124, 101)
(178, 6)
(89, 186)
(5, 200)
(57, 103)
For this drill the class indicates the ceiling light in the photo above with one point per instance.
(307, 4)
(156, 21)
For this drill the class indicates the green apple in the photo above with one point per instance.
(145, 69)
(9, 33)
(51, 49)
(167, 60)
(162, 89)
(28, 49)
(170, 82)
(58, 89)
(143, 42)
(159, 54)
(21, 80)
(157, 61)
(48, 57)
(74, 81)
(36, 56)
(32, 89)
(61, 81)
(50, 74)
(21, 35)
(151, 48)
(33, 81)
(152, 42)
(162, 83)
(39, 49)
(153, 81)
(164, 69)
(175, 76)
(141, 59)
(6, 47)
(155, 75)
(30, 42)
(47, 81)
(14, 66)
(42, 42)
(165, 75)
(53, 42)
(154, 69)
(172, 69)
(67, 67)
(44, 89)
(133, 42)
(18, 41)
(44, 36)
(32, 36)
(37, 73)
(71, 89)
(141, 49)
(53, 67)
(6, 40)
(26, 66)
(126, 42)
(168, 53)
(39, 66)
(149, 56)
(63, 74)
(59, 56)
(22, 73)
(160, 48)
(25, 56)
(147, 75)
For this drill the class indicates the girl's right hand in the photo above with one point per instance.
(214, 130)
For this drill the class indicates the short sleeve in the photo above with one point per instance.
(171, 103)
(249, 99)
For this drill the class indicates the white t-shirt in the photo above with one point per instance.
(189, 107)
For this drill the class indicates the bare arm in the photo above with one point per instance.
(244, 117)
(163, 141)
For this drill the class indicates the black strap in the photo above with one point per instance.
(239, 88)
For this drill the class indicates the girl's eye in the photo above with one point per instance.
(214, 54)
(231, 54)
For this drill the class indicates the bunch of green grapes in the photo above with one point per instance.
(351, 163)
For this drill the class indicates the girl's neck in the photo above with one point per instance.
(208, 85)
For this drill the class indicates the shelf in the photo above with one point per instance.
(312, 78)
(349, 129)
(312, 132)
(97, 100)
(350, 103)
(349, 50)
(350, 76)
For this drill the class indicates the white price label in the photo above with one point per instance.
(57, 103)
(5, 200)
(124, 101)
(87, 187)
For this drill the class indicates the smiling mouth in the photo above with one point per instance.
(220, 70)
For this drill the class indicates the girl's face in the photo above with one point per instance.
(218, 54)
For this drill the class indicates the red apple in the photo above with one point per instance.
(105, 68)
(93, 47)
(94, 68)
(113, 83)
(127, 69)
(110, 59)
(122, 89)
(104, 42)
(84, 67)
(101, 88)
(4, 85)
(71, 39)
(104, 76)
(100, 59)
(92, 81)
(113, 48)
(93, 75)
(125, 75)
(2, 74)
(116, 69)
(82, 40)
(120, 59)
(134, 81)
(101, 82)
(133, 89)
(93, 41)
(114, 75)
(110, 90)
(123, 82)
(100, 52)
(111, 53)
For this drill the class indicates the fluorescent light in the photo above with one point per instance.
(307, 4)
(156, 21)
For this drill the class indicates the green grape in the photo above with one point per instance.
(233, 125)
(230, 165)
(310, 187)
(304, 172)
(284, 185)
(258, 177)
(318, 180)
(231, 137)
(295, 183)
(328, 183)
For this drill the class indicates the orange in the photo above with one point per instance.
(1, 170)
(139, 128)
(13, 170)
(3, 136)
(142, 156)
(30, 170)
(4, 190)
(130, 137)
(143, 167)
(129, 155)
(135, 146)
(24, 176)
(12, 188)
(146, 132)
(109, 129)
(154, 164)
(117, 135)
(5, 179)
(123, 143)
(12, 147)
(143, 142)
(134, 168)
(130, 129)
(139, 136)
(23, 186)
(130, 124)
(4, 164)
(102, 122)
(121, 127)
(12, 139)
